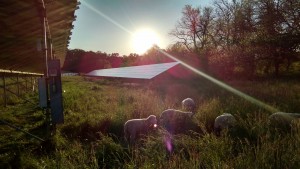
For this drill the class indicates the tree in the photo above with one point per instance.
(130, 60)
(72, 60)
(234, 26)
(241, 37)
(153, 56)
(279, 32)
(193, 31)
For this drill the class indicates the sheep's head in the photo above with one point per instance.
(280, 121)
(224, 121)
(152, 121)
(188, 104)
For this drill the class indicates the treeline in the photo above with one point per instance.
(231, 39)
(78, 60)
(243, 38)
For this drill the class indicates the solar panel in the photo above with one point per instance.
(22, 33)
(138, 72)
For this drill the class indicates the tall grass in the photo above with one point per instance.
(95, 111)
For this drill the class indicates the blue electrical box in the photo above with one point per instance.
(42, 92)
(55, 90)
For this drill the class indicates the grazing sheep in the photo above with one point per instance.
(282, 120)
(175, 120)
(135, 127)
(226, 120)
(189, 105)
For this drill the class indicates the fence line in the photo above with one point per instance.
(17, 83)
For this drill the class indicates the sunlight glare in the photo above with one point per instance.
(143, 40)
(223, 85)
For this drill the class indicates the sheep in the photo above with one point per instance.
(175, 120)
(224, 121)
(135, 127)
(188, 104)
(282, 121)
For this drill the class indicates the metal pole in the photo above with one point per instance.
(31, 84)
(46, 45)
(51, 52)
(4, 91)
(47, 111)
(36, 84)
(18, 86)
(26, 83)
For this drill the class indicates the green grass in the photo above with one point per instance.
(95, 111)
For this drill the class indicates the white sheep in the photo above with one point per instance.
(188, 104)
(175, 120)
(135, 127)
(224, 121)
(282, 120)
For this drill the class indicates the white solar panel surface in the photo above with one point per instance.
(139, 72)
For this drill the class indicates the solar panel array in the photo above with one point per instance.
(137, 72)
(22, 34)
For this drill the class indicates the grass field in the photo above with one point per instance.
(95, 111)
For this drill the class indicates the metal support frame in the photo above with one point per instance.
(19, 129)
(18, 86)
(47, 109)
(18, 80)
(26, 82)
(48, 55)
(4, 90)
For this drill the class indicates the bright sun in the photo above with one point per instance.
(143, 40)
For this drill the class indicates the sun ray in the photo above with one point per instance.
(219, 83)
(222, 84)
(106, 17)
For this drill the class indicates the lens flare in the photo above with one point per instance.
(105, 17)
(168, 143)
(155, 125)
(219, 83)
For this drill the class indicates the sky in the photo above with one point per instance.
(111, 26)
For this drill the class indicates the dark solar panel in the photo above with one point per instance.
(139, 72)
(22, 33)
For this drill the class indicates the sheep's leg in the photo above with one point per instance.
(217, 131)
(132, 137)
(126, 135)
